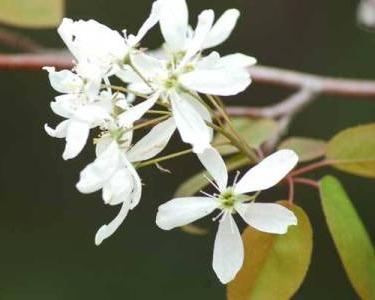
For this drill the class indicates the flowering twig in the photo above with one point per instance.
(260, 74)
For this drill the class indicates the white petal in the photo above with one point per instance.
(118, 188)
(220, 81)
(215, 165)
(205, 20)
(102, 144)
(222, 28)
(150, 22)
(268, 172)
(237, 60)
(209, 62)
(65, 105)
(149, 66)
(174, 23)
(93, 114)
(190, 124)
(267, 217)
(59, 131)
(91, 41)
(136, 192)
(228, 250)
(153, 142)
(76, 137)
(181, 211)
(127, 118)
(96, 174)
(107, 230)
(201, 109)
(64, 81)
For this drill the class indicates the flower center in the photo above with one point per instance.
(227, 199)
(171, 82)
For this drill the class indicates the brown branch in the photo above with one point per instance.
(306, 181)
(326, 85)
(290, 105)
(260, 74)
(58, 59)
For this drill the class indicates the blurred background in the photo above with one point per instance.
(47, 227)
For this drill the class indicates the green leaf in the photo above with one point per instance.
(254, 131)
(351, 239)
(354, 150)
(32, 13)
(275, 265)
(306, 148)
(197, 182)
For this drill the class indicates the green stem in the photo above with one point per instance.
(139, 73)
(247, 149)
(163, 158)
(124, 90)
(148, 123)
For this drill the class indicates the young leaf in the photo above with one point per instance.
(254, 131)
(198, 181)
(350, 237)
(354, 150)
(275, 265)
(32, 13)
(306, 148)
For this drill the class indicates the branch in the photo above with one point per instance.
(326, 85)
(30, 62)
(290, 105)
(260, 74)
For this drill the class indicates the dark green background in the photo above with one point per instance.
(47, 228)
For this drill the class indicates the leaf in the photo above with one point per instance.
(32, 13)
(197, 182)
(254, 131)
(306, 148)
(350, 237)
(275, 265)
(354, 150)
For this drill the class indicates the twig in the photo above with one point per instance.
(291, 190)
(326, 85)
(290, 105)
(260, 74)
(311, 167)
(32, 62)
(306, 181)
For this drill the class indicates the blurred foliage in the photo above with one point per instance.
(349, 234)
(306, 148)
(275, 265)
(32, 13)
(354, 150)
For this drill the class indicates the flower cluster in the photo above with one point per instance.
(173, 78)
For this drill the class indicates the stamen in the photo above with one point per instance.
(236, 178)
(218, 216)
(213, 183)
(207, 194)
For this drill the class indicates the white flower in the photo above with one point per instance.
(92, 42)
(177, 80)
(114, 173)
(82, 106)
(178, 35)
(268, 217)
